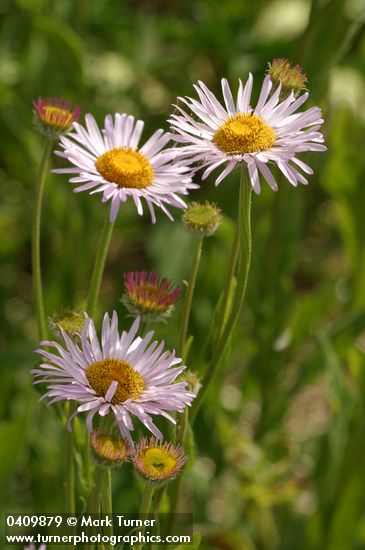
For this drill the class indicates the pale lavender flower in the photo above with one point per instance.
(110, 162)
(238, 134)
(125, 375)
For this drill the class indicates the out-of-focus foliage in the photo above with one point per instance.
(280, 443)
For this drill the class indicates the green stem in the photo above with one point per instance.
(189, 296)
(227, 287)
(244, 226)
(159, 499)
(175, 500)
(70, 471)
(95, 497)
(70, 483)
(145, 506)
(99, 265)
(94, 503)
(36, 244)
(107, 504)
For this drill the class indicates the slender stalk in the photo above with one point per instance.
(99, 265)
(95, 497)
(107, 504)
(145, 506)
(183, 426)
(94, 503)
(70, 475)
(184, 417)
(189, 296)
(36, 244)
(70, 471)
(160, 495)
(230, 274)
(244, 225)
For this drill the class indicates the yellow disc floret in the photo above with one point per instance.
(125, 168)
(109, 450)
(244, 133)
(158, 463)
(56, 116)
(102, 373)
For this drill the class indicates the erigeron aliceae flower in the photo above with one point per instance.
(236, 134)
(123, 375)
(110, 162)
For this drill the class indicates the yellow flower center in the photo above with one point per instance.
(150, 297)
(125, 168)
(242, 134)
(102, 373)
(109, 448)
(158, 463)
(57, 117)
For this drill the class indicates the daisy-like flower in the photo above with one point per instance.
(149, 295)
(157, 461)
(124, 376)
(54, 117)
(271, 133)
(110, 162)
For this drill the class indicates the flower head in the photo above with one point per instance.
(110, 162)
(109, 451)
(157, 461)
(291, 78)
(123, 375)
(202, 218)
(149, 295)
(238, 134)
(54, 117)
(70, 321)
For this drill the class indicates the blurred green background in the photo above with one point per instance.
(280, 444)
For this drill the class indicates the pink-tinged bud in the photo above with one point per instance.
(54, 117)
(149, 295)
(109, 451)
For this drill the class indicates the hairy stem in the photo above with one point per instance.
(244, 226)
(189, 296)
(99, 265)
(145, 506)
(36, 241)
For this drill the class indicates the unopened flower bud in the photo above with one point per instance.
(54, 117)
(109, 451)
(202, 218)
(192, 380)
(291, 77)
(158, 462)
(69, 321)
(149, 295)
